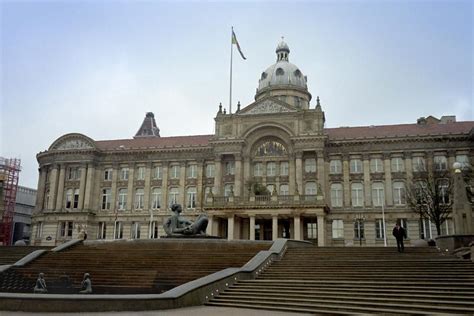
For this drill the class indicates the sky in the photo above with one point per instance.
(96, 67)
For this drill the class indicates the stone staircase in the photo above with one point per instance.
(130, 267)
(11, 254)
(353, 280)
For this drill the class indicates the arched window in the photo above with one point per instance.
(399, 193)
(280, 72)
(378, 194)
(357, 194)
(191, 197)
(336, 195)
(156, 198)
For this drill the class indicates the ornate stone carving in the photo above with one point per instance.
(265, 107)
(73, 144)
(270, 148)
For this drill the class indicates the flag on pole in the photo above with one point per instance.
(234, 41)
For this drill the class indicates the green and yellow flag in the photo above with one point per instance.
(234, 41)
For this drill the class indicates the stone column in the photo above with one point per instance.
(199, 187)
(252, 227)
(210, 223)
(60, 195)
(182, 185)
(147, 188)
(130, 187)
(388, 180)
(53, 187)
(218, 175)
(274, 227)
(82, 186)
(299, 172)
(408, 167)
(462, 209)
(164, 186)
(113, 189)
(292, 175)
(90, 184)
(321, 231)
(238, 175)
(321, 172)
(230, 227)
(246, 175)
(297, 227)
(39, 204)
(367, 187)
(346, 181)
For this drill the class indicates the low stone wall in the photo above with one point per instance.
(196, 292)
(452, 242)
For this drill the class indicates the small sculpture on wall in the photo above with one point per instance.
(86, 286)
(40, 286)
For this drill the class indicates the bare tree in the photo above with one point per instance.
(430, 196)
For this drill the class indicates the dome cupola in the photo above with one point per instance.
(284, 80)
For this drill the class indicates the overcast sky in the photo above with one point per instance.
(96, 67)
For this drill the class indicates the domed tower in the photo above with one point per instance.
(284, 81)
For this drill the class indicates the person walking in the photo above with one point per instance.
(399, 233)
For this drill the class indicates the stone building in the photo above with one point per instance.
(270, 170)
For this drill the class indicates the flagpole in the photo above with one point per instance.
(231, 49)
(383, 223)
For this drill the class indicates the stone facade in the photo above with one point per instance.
(328, 185)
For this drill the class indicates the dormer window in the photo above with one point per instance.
(297, 73)
(264, 75)
(280, 72)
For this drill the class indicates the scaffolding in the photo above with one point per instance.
(9, 173)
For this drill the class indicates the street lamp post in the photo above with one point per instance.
(359, 218)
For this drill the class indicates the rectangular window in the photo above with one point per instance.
(139, 199)
(118, 234)
(175, 172)
(312, 230)
(440, 163)
(173, 196)
(229, 168)
(39, 229)
(271, 169)
(141, 173)
(356, 166)
(284, 190)
(376, 165)
(258, 169)
(192, 172)
(399, 193)
(284, 168)
(419, 164)
(336, 195)
(228, 190)
(106, 199)
(464, 161)
(65, 229)
(102, 231)
(154, 230)
(425, 229)
(108, 174)
(156, 198)
(378, 194)
(69, 193)
(359, 230)
(310, 188)
(124, 174)
(210, 170)
(335, 166)
(337, 229)
(74, 173)
(379, 229)
(397, 164)
(310, 165)
(122, 199)
(357, 194)
(157, 173)
(135, 231)
(191, 198)
(76, 199)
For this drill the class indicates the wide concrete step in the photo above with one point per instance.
(364, 292)
(289, 295)
(338, 307)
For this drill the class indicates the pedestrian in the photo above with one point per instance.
(399, 233)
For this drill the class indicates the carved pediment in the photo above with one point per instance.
(267, 106)
(73, 142)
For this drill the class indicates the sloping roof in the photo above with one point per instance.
(154, 142)
(400, 130)
(339, 133)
